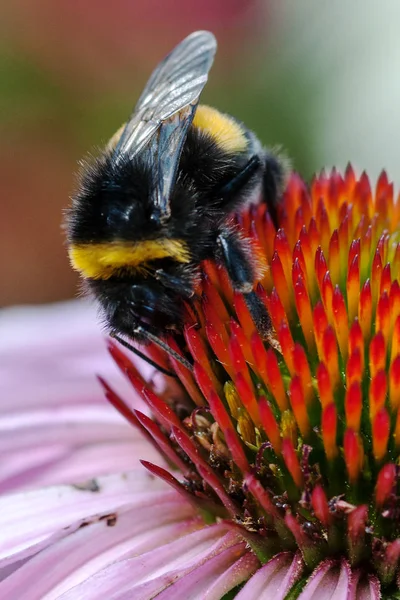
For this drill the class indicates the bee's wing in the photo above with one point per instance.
(175, 84)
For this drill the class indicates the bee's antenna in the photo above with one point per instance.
(164, 346)
(143, 356)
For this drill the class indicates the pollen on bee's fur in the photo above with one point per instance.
(301, 436)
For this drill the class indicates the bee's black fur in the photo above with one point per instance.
(109, 190)
(114, 203)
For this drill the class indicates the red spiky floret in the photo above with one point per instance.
(296, 438)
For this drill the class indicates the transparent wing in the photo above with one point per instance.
(163, 154)
(175, 84)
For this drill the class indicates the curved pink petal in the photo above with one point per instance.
(50, 354)
(30, 521)
(56, 463)
(364, 587)
(55, 424)
(132, 531)
(330, 581)
(147, 575)
(96, 460)
(274, 579)
(215, 578)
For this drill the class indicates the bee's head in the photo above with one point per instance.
(112, 224)
(113, 202)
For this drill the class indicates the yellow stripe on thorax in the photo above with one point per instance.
(227, 132)
(101, 261)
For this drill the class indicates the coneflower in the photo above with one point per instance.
(281, 455)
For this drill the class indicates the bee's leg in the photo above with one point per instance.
(182, 288)
(175, 283)
(235, 254)
(143, 331)
(137, 352)
(274, 180)
(235, 185)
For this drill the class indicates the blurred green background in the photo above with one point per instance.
(318, 78)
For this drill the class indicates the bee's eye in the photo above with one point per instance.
(112, 216)
(127, 213)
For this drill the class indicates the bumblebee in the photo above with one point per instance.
(159, 200)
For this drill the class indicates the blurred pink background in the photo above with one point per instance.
(73, 71)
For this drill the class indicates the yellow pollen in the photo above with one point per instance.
(232, 398)
(246, 429)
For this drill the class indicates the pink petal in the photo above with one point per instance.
(274, 580)
(147, 575)
(50, 354)
(55, 423)
(330, 581)
(100, 459)
(215, 578)
(364, 587)
(44, 436)
(69, 561)
(30, 521)
(47, 462)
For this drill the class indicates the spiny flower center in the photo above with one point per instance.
(296, 443)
